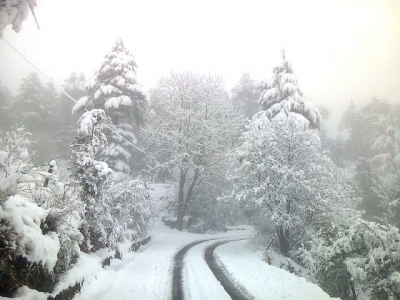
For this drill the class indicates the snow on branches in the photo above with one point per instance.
(281, 95)
(279, 168)
(14, 161)
(91, 175)
(372, 256)
(115, 89)
(193, 126)
(14, 12)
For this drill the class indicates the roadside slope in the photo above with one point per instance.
(263, 281)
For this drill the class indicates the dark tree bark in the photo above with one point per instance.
(283, 237)
(184, 201)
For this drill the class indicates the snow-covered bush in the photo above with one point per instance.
(38, 224)
(367, 254)
(279, 169)
(206, 213)
(331, 275)
(372, 253)
(14, 162)
(131, 209)
(24, 218)
(91, 177)
(28, 255)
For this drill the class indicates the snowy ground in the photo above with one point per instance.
(262, 280)
(147, 273)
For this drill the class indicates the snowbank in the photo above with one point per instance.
(263, 281)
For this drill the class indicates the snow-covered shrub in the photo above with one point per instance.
(14, 162)
(331, 275)
(91, 177)
(38, 224)
(25, 218)
(207, 213)
(372, 253)
(65, 211)
(367, 254)
(27, 254)
(131, 208)
(209, 225)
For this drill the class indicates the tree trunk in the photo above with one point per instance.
(181, 198)
(183, 201)
(283, 237)
(353, 290)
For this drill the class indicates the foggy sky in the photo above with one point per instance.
(340, 50)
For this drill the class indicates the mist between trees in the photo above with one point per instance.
(258, 154)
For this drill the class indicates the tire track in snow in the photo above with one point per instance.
(177, 275)
(235, 292)
(177, 291)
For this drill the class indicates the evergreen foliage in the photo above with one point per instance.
(91, 178)
(375, 126)
(114, 88)
(281, 95)
(245, 96)
(34, 108)
(365, 257)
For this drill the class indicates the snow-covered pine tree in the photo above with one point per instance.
(33, 108)
(245, 96)
(115, 88)
(375, 126)
(28, 108)
(281, 95)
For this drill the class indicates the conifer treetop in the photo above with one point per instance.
(281, 95)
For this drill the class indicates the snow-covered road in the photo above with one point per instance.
(195, 274)
(147, 273)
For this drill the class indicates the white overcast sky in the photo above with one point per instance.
(340, 50)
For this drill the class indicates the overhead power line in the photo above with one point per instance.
(68, 95)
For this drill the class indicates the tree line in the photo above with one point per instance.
(259, 154)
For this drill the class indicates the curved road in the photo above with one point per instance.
(235, 292)
(177, 277)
